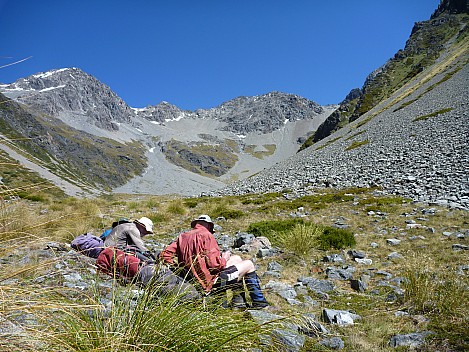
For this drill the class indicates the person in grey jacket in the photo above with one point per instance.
(130, 235)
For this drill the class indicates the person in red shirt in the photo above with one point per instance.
(198, 252)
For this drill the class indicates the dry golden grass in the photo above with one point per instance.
(36, 223)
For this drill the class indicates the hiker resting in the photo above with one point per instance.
(128, 236)
(198, 252)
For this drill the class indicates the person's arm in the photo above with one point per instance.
(169, 253)
(136, 239)
(215, 262)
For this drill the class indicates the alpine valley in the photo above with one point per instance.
(405, 131)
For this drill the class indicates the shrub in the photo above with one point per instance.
(333, 237)
(227, 213)
(357, 144)
(301, 239)
(191, 202)
(270, 228)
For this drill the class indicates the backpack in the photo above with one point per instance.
(114, 224)
(88, 245)
(119, 264)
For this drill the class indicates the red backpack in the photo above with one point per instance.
(118, 264)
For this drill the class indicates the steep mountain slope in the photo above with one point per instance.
(85, 160)
(412, 144)
(427, 41)
(200, 149)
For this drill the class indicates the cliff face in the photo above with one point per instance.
(427, 41)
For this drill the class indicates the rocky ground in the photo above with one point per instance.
(336, 274)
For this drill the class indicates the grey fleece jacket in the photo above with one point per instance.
(125, 235)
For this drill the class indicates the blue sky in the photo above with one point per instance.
(201, 53)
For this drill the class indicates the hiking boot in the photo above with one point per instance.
(259, 305)
(238, 301)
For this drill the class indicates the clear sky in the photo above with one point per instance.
(201, 53)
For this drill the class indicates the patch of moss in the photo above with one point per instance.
(260, 198)
(355, 134)
(310, 202)
(328, 143)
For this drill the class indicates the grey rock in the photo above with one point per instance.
(393, 241)
(358, 285)
(340, 273)
(459, 247)
(283, 290)
(291, 340)
(394, 255)
(274, 266)
(356, 254)
(317, 285)
(365, 261)
(413, 340)
(334, 343)
(333, 258)
(311, 327)
(339, 317)
(270, 273)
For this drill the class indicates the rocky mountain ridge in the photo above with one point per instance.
(202, 149)
(71, 90)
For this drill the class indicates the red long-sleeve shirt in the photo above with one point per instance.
(198, 251)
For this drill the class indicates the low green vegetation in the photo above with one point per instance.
(355, 135)
(301, 236)
(260, 154)
(202, 158)
(328, 143)
(433, 114)
(357, 144)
